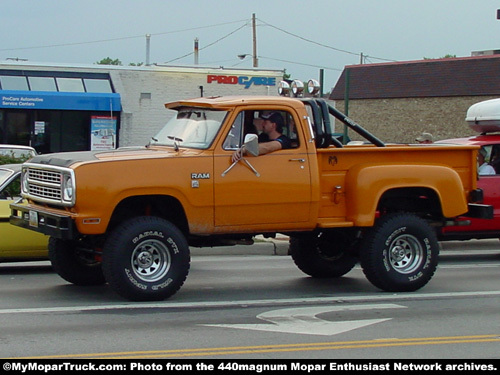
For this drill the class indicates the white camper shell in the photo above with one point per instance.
(484, 117)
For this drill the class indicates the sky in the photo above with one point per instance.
(302, 37)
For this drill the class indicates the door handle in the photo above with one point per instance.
(299, 160)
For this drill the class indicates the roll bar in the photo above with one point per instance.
(323, 128)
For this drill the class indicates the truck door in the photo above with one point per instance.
(490, 184)
(272, 189)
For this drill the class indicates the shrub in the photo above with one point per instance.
(11, 159)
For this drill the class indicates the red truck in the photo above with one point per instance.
(484, 118)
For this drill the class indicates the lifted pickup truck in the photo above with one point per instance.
(128, 217)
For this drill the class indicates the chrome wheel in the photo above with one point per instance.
(151, 260)
(406, 254)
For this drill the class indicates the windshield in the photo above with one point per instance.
(4, 175)
(192, 127)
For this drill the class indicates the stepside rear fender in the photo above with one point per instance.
(366, 184)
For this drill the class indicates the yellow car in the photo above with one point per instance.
(16, 244)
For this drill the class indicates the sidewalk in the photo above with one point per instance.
(262, 246)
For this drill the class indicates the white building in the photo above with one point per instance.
(56, 107)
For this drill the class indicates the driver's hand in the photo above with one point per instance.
(237, 155)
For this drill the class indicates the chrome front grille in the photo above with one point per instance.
(45, 192)
(44, 176)
(45, 185)
(49, 184)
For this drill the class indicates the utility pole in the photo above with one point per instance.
(255, 60)
(148, 48)
(321, 81)
(196, 51)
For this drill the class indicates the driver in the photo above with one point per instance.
(272, 126)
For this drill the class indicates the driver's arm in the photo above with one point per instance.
(264, 148)
(267, 147)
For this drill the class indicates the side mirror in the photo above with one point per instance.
(251, 144)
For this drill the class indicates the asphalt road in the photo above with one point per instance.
(252, 302)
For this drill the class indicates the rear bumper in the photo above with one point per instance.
(480, 211)
(48, 223)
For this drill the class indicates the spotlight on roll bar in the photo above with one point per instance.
(313, 87)
(296, 87)
(284, 88)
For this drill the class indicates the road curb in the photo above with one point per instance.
(261, 246)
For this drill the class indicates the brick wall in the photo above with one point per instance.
(402, 120)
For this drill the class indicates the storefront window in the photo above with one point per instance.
(14, 83)
(97, 85)
(34, 113)
(42, 84)
(42, 81)
(70, 84)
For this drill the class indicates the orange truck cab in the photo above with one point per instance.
(128, 217)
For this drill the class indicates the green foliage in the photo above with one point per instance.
(447, 56)
(109, 61)
(11, 159)
(13, 189)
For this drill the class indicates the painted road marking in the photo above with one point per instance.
(303, 320)
(280, 348)
(166, 305)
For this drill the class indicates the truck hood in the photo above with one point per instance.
(68, 159)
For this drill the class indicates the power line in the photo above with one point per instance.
(208, 45)
(121, 38)
(202, 27)
(297, 63)
(211, 44)
(320, 44)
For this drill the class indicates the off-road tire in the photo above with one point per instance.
(323, 255)
(146, 259)
(74, 263)
(400, 254)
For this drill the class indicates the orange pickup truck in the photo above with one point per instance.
(128, 217)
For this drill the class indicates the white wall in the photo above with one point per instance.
(144, 93)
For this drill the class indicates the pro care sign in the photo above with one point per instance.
(241, 80)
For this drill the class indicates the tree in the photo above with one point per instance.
(447, 56)
(11, 159)
(109, 61)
